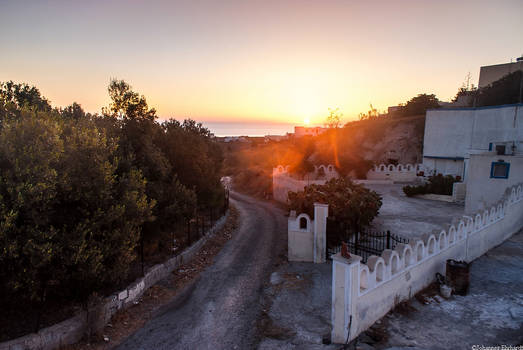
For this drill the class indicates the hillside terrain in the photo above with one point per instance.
(353, 149)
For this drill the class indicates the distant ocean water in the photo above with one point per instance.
(248, 128)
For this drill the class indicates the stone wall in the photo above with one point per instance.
(307, 237)
(72, 330)
(395, 173)
(363, 293)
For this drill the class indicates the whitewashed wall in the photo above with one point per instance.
(308, 243)
(300, 240)
(481, 188)
(363, 293)
(450, 134)
(396, 173)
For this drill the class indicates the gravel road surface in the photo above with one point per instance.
(220, 309)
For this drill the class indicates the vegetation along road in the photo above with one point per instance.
(220, 309)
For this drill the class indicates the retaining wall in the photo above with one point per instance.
(73, 329)
(396, 173)
(363, 293)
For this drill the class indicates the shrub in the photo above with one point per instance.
(351, 204)
(437, 184)
(69, 221)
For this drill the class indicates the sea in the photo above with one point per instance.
(248, 128)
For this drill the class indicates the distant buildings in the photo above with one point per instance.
(300, 131)
(276, 138)
(234, 139)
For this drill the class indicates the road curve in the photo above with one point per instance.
(220, 309)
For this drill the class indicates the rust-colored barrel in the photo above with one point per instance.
(458, 276)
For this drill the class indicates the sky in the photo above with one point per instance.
(241, 60)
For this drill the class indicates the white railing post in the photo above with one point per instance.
(321, 211)
(345, 287)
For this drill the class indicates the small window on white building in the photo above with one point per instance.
(499, 170)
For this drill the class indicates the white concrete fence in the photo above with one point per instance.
(363, 293)
(396, 173)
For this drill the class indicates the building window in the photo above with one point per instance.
(499, 170)
(303, 224)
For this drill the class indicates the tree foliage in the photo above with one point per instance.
(437, 184)
(507, 90)
(68, 219)
(80, 193)
(334, 118)
(349, 203)
(419, 105)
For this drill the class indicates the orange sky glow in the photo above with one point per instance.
(275, 61)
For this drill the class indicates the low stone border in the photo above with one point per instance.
(374, 182)
(73, 329)
(435, 197)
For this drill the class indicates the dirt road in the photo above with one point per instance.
(219, 310)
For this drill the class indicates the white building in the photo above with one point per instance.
(300, 131)
(453, 135)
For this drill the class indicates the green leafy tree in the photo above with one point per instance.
(419, 105)
(507, 90)
(350, 204)
(73, 111)
(334, 118)
(69, 221)
(195, 158)
(140, 145)
(16, 97)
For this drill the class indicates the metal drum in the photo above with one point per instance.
(458, 276)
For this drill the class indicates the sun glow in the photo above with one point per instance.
(307, 121)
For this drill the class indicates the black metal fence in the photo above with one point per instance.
(365, 244)
(196, 227)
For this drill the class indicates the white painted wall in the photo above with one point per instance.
(482, 190)
(454, 133)
(309, 243)
(459, 192)
(363, 293)
(300, 241)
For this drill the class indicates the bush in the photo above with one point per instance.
(350, 204)
(79, 193)
(437, 184)
(69, 221)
